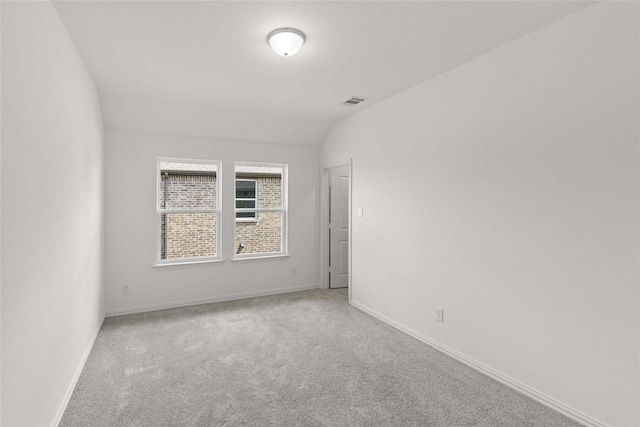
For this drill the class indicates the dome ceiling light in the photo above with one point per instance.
(286, 41)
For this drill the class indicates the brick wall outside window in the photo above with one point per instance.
(193, 235)
(188, 235)
(265, 234)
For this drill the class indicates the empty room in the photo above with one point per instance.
(320, 213)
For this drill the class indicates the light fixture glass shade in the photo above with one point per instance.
(286, 41)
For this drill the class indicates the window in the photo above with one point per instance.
(246, 198)
(188, 211)
(261, 210)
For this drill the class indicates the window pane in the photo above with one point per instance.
(187, 186)
(270, 192)
(251, 215)
(262, 236)
(188, 235)
(245, 204)
(268, 180)
(245, 189)
(246, 198)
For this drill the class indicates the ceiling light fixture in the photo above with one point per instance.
(286, 41)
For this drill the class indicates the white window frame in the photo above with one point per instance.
(217, 211)
(284, 209)
(255, 199)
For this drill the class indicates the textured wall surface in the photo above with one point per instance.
(265, 234)
(188, 235)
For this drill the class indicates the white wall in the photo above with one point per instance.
(130, 197)
(506, 191)
(137, 113)
(52, 213)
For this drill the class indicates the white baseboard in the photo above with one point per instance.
(76, 377)
(186, 303)
(548, 401)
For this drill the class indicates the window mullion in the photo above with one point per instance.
(187, 211)
(259, 210)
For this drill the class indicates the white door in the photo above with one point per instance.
(339, 227)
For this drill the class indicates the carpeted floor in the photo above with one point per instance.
(298, 359)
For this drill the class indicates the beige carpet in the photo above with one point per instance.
(298, 359)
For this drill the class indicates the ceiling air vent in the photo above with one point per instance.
(355, 100)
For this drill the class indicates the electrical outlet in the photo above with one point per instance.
(439, 314)
(294, 270)
(125, 289)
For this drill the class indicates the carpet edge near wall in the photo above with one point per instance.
(76, 375)
(208, 300)
(532, 393)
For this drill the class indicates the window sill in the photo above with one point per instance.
(170, 264)
(248, 257)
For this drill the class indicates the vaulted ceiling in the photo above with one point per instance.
(206, 69)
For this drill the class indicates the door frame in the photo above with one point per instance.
(324, 223)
